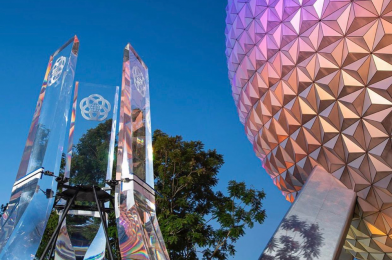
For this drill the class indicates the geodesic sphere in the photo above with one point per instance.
(312, 81)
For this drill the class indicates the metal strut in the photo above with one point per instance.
(103, 220)
(80, 193)
(57, 230)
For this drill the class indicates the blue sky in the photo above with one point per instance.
(182, 43)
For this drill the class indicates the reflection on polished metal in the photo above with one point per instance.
(89, 242)
(316, 224)
(137, 225)
(21, 228)
(82, 198)
(79, 197)
(312, 84)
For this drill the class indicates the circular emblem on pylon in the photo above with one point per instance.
(94, 108)
(139, 80)
(57, 70)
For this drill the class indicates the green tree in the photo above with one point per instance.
(195, 219)
(88, 167)
(90, 156)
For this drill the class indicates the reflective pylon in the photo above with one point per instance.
(21, 228)
(138, 230)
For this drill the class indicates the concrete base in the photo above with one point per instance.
(316, 225)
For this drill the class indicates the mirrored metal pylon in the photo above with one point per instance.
(21, 228)
(77, 182)
(138, 229)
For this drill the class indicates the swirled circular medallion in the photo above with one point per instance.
(94, 108)
(57, 70)
(139, 80)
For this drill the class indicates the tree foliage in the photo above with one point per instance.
(88, 167)
(197, 221)
(90, 156)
